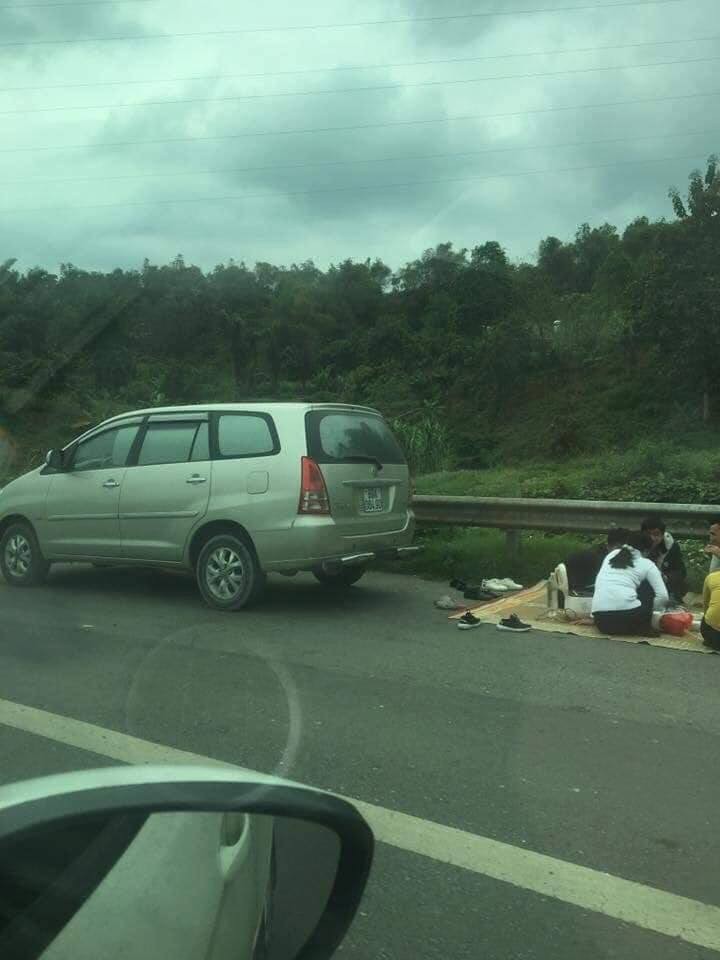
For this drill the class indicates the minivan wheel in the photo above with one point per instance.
(228, 575)
(345, 577)
(21, 559)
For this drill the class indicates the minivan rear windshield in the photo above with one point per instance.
(340, 436)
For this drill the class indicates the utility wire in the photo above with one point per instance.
(164, 174)
(358, 67)
(353, 189)
(290, 28)
(343, 90)
(363, 126)
(69, 3)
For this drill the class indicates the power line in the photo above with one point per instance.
(257, 168)
(69, 3)
(364, 188)
(356, 67)
(343, 90)
(289, 28)
(363, 126)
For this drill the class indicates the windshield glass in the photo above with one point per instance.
(344, 436)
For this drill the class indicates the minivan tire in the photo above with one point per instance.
(342, 578)
(21, 559)
(216, 570)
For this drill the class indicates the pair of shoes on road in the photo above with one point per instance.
(475, 591)
(501, 585)
(514, 624)
(489, 589)
(447, 603)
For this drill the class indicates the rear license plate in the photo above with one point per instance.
(372, 500)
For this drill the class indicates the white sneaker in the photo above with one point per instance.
(497, 586)
(510, 584)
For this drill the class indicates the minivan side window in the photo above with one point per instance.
(105, 450)
(245, 435)
(169, 442)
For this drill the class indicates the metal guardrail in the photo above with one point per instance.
(686, 520)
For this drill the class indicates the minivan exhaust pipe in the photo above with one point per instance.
(352, 560)
(357, 559)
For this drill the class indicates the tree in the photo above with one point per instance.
(702, 209)
(557, 262)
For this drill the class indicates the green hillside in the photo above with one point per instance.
(591, 372)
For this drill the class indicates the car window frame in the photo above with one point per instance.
(215, 435)
(208, 458)
(193, 425)
(198, 417)
(69, 465)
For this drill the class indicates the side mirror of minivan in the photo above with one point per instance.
(54, 459)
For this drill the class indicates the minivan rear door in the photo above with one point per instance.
(365, 470)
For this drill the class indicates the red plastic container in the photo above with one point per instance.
(676, 624)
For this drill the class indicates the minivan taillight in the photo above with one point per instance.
(313, 492)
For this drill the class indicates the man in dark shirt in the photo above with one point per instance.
(666, 554)
(583, 566)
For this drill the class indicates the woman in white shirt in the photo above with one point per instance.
(627, 590)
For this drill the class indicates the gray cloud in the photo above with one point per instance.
(456, 31)
(327, 210)
(60, 22)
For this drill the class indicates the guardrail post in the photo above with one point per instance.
(512, 539)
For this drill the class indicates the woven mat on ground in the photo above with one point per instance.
(531, 606)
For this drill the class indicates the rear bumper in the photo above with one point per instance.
(360, 559)
(316, 541)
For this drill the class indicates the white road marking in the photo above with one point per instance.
(646, 907)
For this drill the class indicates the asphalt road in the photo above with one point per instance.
(593, 752)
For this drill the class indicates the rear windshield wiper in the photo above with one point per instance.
(359, 458)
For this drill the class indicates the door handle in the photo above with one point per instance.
(111, 483)
(196, 479)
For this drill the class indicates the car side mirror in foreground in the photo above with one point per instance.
(54, 459)
(183, 863)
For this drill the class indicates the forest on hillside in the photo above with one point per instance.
(604, 338)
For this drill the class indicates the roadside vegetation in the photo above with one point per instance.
(588, 373)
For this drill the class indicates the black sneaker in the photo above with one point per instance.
(479, 593)
(458, 584)
(514, 623)
(468, 621)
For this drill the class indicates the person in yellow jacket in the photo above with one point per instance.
(710, 625)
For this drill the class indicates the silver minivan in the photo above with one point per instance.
(229, 491)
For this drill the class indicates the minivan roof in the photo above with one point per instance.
(254, 407)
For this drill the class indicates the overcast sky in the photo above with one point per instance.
(90, 186)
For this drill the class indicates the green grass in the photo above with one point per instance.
(476, 554)
(659, 472)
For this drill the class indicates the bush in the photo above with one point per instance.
(426, 443)
(476, 554)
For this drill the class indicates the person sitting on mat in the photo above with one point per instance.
(627, 589)
(665, 553)
(713, 546)
(710, 623)
(583, 566)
